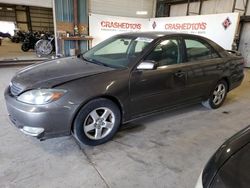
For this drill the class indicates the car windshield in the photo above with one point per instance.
(117, 51)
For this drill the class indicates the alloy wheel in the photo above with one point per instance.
(219, 94)
(99, 123)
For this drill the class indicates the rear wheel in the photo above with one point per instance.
(218, 96)
(97, 122)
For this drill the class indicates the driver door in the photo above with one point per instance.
(153, 90)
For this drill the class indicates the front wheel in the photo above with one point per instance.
(97, 122)
(43, 47)
(218, 95)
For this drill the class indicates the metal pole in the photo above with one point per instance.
(28, 18)
(246, 6)
(75, 12)
(188, 7)
(234, 4)
(200, 7)
(54, 23)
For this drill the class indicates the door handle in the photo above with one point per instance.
(180, 74)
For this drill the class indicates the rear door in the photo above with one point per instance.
(205, 67)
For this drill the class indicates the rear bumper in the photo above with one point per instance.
(41, 121)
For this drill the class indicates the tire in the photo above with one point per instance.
(217, 96)
(25, 47)
(97, 122)
(43, 47)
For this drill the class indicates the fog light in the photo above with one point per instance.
(32, 131)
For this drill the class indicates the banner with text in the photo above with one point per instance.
(221, 28)
(102, 27)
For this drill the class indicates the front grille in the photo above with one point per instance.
(15, 89)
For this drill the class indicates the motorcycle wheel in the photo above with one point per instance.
(43, 48)
(25, 47)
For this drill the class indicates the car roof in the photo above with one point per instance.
(156, 34)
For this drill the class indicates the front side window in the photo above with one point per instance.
(117, 51)
(197, 50)
(165, 53)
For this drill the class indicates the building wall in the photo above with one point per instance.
(39, 3)
(178, 10)
(244, 47)
(126, 8)
(7, 15)
(209, 7)
(248, 9)
(64, 12)
(217, 6)
(41, 19)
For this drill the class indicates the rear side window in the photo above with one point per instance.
(197, 50)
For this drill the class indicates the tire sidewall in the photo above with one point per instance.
(78, 130)
(211, 103)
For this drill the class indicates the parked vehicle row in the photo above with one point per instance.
(5, 35)
(42, 42)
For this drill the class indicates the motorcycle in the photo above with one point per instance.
(29, 42)
(18, 37)
(5, 35)
(45, 46)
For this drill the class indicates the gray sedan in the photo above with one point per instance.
(124, 78)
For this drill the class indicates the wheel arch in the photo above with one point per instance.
(109, 97)
(227, 81)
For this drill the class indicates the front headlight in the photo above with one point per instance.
(41, 96)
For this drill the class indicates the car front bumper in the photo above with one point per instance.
(41, 121)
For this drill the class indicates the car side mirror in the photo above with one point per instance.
(147, 65)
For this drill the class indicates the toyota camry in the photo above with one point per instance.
(124, 78)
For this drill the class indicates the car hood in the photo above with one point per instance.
(51, 73)
(226, 150)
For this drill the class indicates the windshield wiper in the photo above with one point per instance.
(94, 61)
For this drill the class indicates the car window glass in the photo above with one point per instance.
(117, 51)
(235, 172)
(119, 46)
(197, 50)
(165, 53)
(140, 45)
